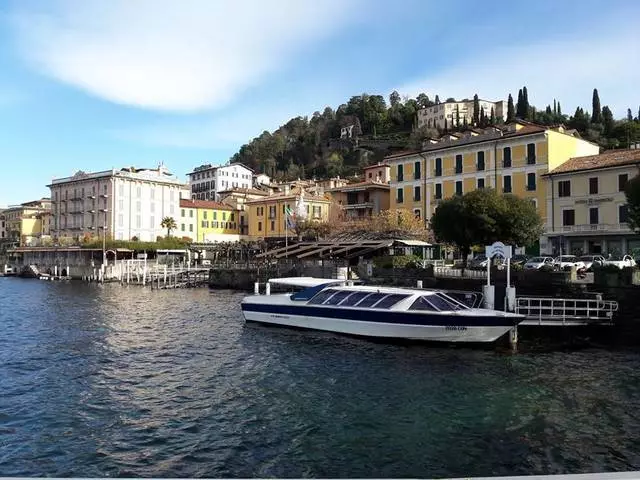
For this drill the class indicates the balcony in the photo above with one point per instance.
(596, 228)
(357, 206)
(75, 197)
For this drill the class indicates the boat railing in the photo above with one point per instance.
(566, 310)
(458, 272)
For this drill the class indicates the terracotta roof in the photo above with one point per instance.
(290, 196)
(612, 158)
(376, 166)
(248, 191)
(368, 183)
(203, 204)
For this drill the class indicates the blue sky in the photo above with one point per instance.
(89, 85)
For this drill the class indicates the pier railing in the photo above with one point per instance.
(458, 272)
(566, 311)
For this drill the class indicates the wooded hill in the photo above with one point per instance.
(312, 147)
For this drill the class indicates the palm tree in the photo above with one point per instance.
(169, 223)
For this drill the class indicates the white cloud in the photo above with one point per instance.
(171, 55)
(565, 70)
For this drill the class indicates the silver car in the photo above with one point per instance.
(536, 263)
(591, 261)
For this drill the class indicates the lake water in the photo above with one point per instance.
(115, 381)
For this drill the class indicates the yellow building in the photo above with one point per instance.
(267, 216)
(236, 198)
(587, 206)
(510, 158)
(207, 222)
(24, 223)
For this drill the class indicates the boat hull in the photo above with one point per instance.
(449, 332)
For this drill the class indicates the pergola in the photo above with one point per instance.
(346, 249)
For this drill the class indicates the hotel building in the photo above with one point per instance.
(208, 181)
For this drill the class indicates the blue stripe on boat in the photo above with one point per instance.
(384, 316)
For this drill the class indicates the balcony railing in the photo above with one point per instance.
(595, 227)
(354, 206)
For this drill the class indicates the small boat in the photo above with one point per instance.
(386, 312)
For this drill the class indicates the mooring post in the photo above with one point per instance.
(267, 289)
(419, 284)
(256, 288)
(513, 337)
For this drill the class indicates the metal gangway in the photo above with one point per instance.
(546, 311)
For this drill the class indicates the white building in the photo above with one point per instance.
(125, 203)
(3, 225)
(207, 181)
(435, 116)
(261, 179)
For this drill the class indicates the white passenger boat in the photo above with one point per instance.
(372, 311)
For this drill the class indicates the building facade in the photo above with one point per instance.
(455, 113)
(510, 159)
(207, 181)
(122, 204)
(3, 224)
(588, 212)
(208, 222)
(28, 223)
(268, 216)
(362, 199)
(237, 199)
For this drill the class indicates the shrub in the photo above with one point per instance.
(397, 261)
(546, 268)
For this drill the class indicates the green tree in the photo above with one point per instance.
(520, 105)
(423, 101)
(548, 110)
(559, 110)
(394, 98)
(596, 111)
(335, 165)
(482, 217)
(632, 192)
(169, 223)
(450, 99)
(525, 101)
(629, 115)
(437, 101)
(511, 113)
(457, 115)
(555, 107)
(608, 121)
(492, 118)
(483, 119)
(476, 110)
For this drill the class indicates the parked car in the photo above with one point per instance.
(591, 261)
(480, 261)
(568, 261)
(519, 259)
(621, 261)
(536, 263)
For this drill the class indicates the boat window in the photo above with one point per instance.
(422, 303)
(371, 299)
(354, 298)
(322, 296)
(338, 297)
(443, 303)
(390, 300)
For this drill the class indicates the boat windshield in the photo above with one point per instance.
(323, 295)
(337, 297)
(436, 302)
(390, 300)
(354, 298)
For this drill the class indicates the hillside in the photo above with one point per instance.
(312, 147)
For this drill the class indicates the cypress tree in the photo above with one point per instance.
(457, 115)
(548, 109)
(559, 111)
(482, 117)
(476, 110)
(445, 125)
(511, 111)
(607, 120)
(464, 123)
(492, 118)
(629, 115)
(555, 107)
(596, 111)
(525, 103)
(437, 100)
(519, 105)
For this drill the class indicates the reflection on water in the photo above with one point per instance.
(115, 381)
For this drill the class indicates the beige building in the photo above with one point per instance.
(26, 224)
(126, 203)
(366, 198)
(454, 113)
(237, 199)
(587, 206)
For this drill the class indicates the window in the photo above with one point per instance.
(400, 173)
(416, 194)
(531, 181)
(231, 217)
(317, 212)
(337, 297)
(568, 218)
(438, 193)
(480, 184)
(622, 181)
(272, 211)
(322, 296)
(438, 172)
(593, 216)
(204, 214)
(390, 300)
(191, 227)
(259, 226)
(417, 214)
(417, 173)
(593, 186)
(190, 213)
(506, 157)
(182, 227)
(371, 299)
(138, 192)
(506, 187)
(182, 212)
(480, 161)
(458, 163)
(354, 298)
(400, 195)
(564, 188)
(273, 225)
(531, 153)
(370, 175)
(623, 213)
(459, 187)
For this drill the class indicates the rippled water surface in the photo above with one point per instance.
(116, 381)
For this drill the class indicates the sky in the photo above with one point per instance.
(92, 85)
